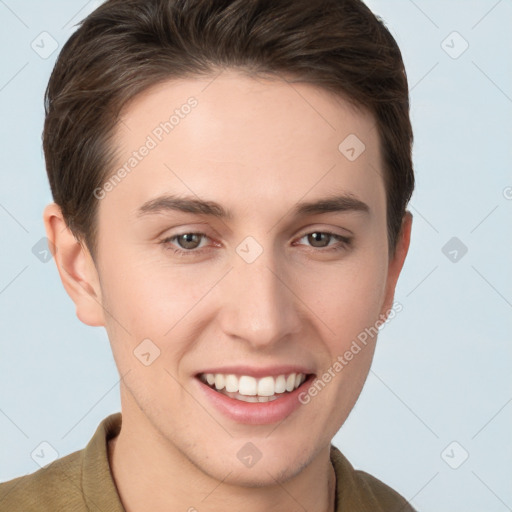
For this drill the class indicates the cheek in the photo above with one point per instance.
(147, 297)
(347, 297)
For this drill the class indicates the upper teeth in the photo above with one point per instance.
(250, 386)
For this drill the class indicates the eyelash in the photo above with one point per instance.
(344, 243)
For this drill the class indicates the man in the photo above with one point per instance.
(230, 182)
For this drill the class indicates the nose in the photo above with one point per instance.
(258, 304)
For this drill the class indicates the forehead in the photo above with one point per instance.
(245, 141)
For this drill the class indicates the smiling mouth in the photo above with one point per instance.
(250, 389)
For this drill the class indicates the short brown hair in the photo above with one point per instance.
(126, 46)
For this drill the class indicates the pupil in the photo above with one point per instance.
(189, 241)
(315, 239)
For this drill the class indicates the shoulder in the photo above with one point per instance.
(55, 486)
(388, 498)
(78, 482)
(358, 490)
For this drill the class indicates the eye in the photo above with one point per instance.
(323, 239)
(185, 242)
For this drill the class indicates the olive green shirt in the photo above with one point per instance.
(82, 482)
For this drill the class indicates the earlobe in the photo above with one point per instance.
(397, 261)
(75, 266)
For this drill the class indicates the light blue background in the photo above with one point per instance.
(442, 370)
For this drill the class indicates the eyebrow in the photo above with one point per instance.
(167, 203)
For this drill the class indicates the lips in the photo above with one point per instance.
(269, 407)
(251, 389)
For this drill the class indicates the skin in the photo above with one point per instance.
(257, 147)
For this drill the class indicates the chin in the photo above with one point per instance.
(260, 475)
(247, 466)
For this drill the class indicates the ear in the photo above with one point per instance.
(76, 267)
(396, 262)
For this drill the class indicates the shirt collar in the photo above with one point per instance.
(98, 486)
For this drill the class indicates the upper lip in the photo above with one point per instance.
(268, 371)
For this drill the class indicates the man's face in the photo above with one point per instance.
(270, 289)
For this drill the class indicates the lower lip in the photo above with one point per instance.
(260, 413)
